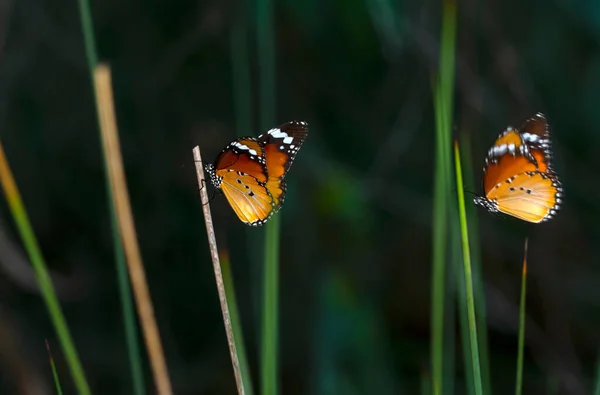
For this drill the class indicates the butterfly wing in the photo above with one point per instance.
(536, 134)
(280, 146)
(241, 174)
(531, 196)
(508, 142)
(250, 172)
(248, 197)
(508, 156)
(517, 177)
(245, 155)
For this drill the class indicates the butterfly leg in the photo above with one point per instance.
(213, 196)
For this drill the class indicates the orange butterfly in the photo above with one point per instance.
(251, 171)
(518, 178)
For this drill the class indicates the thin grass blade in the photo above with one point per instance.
(597, 379)
(269, 340)
(137, 274)
(474, 345)
(244, 125)
(449, 383)
(459, 270)
(443, 100)
(521, 347)
(236, 323)
(240, 68)
(425, 383)
(54, 373)
(269, 355)
(127, 309)
(439, 255)
(478, 286)
(21, 218)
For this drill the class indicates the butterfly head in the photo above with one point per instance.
(212, 175)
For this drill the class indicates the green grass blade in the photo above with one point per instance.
(425, 383)
(448, 386)
(521, 348)
(240, 67)
(443, 96)
(468, 275)
(266, 56)
(266, 60)
(236, 323)
(244, 120)
(54, 373)
(447, 65)
(17, 208)
(459, 271)
(270, 310)
(128, 312)
(478, 286)
(597, 379)
(439, 255)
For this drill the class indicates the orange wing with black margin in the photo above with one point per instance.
(280, 145)
(535, 132)
(517, 176)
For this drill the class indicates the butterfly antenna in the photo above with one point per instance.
(470, 192)
(465, 191)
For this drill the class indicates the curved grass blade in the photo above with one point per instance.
(236, 323)
(443, 96)
(127, 230)
(17, 208)
(468, 275)
(127, 309)
(440, 231)
(54, 373)
(519, 381)
(478, 286)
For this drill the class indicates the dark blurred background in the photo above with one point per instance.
(357, 223)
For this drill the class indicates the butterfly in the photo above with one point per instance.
(518, 178)
(251, 171)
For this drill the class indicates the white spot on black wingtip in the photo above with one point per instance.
(278, 133)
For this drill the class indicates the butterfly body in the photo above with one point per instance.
(251, 171)
(518, 177)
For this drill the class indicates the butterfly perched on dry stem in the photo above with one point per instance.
(518, 178)
(251, 171)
